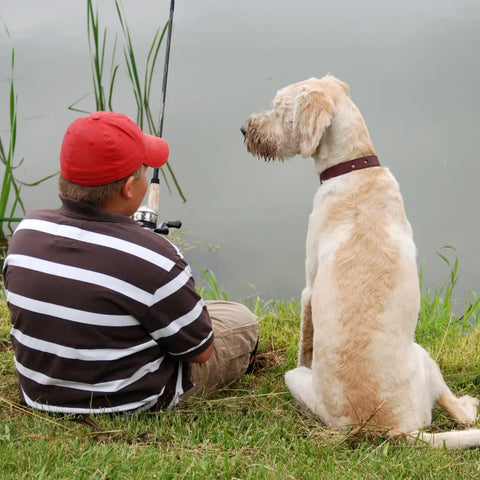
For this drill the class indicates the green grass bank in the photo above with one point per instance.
(250, 430)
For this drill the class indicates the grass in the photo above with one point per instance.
(250, 430)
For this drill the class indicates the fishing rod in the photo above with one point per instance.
(148, 216)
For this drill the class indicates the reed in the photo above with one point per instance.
(140, 79)
(8, 207)
(11, 204)
(142, 90)
(97, 44)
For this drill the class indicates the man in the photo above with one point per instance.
(105, 315)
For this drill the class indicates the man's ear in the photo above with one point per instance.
(312, 115)
(126, 189)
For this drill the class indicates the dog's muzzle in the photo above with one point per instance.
(242, 129)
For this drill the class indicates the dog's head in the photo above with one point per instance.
(301, 114)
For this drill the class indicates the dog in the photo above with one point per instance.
(358, 363)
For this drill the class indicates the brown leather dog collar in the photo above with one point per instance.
(350, 166)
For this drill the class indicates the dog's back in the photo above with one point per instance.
(365, 295)
(357, 358)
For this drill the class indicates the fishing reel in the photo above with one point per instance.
(147, 218)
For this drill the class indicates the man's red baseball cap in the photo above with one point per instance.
(107, 146)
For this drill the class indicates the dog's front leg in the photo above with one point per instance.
(306, 332)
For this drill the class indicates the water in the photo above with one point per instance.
(412, 69)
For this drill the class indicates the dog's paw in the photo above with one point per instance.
(469, 406)
(299, 382)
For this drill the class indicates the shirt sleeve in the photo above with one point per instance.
(178, 318)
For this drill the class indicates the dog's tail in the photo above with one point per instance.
(455, 439)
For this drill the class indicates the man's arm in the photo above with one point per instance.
(204, 356)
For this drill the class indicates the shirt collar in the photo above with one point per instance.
(85, 211)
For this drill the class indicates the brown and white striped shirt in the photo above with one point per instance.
(105, 315)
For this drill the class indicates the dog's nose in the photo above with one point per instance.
(242, 129)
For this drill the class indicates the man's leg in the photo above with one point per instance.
(236, 337)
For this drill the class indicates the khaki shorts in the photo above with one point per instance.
(236, 336)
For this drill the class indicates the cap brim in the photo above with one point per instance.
(157, 151)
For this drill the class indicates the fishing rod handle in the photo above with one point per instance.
(153, 197)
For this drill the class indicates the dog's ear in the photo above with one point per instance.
(312, 115)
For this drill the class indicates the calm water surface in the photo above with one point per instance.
(412, 68)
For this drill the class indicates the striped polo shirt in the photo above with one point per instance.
(105, 315)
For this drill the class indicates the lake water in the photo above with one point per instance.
(413, 71)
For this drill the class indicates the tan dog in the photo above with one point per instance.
(358, 361)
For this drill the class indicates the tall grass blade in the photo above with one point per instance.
(131, 64)
(142, 95)
(440, 311)
(211, 289)
(8, 159)
(96, 57)
(10, 199)
(141, 88)
(38, 182)
(113, 74)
